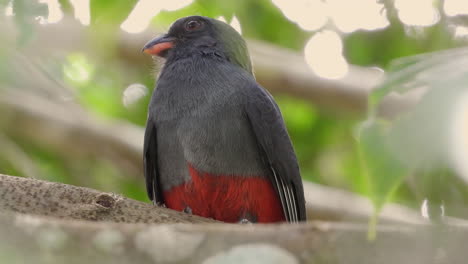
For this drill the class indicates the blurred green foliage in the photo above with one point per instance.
(324, 140)
(420, 142)
(384, 172)
(109, 13)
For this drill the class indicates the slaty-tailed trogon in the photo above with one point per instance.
(215, 142)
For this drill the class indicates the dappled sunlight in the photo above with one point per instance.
(82, 11)
(372, 94)
(9, 9)
(313, 14)
(424, 209)
(54, 10)
(140, 17)
(461, 32)
(459, 136)
(354, 15)
(456, 7)
(234, 23)
(417, 12)
(308, 14)
(144, 11)
(78, 68)
(323, 53)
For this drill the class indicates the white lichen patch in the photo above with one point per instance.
(49, 237)
(117, 197)
(166, 244)
(52, 238)
(24, 220)
(109, 241)
(258, 253)
(133, 93)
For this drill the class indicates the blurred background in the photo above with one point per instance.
(74, 89)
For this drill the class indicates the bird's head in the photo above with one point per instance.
(196, 33)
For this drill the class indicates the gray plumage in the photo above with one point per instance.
(208, 110)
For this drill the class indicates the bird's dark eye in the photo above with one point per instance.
(192, 25)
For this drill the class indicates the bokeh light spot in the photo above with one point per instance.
(133, 93)
(456, 7)
(371, 15)
(234, 23)
(308, 14)
(54, 10)
(82, 11)
(417, 12)
(78, 68)
(323, 53)
(459, 137)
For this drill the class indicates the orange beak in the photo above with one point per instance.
(159, 46)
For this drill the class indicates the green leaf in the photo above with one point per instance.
(4, 63)
(110, 12)
(4, 3)
(413, 72)
(66, 6)
(78, 68)
(384, 171)
(26, 12)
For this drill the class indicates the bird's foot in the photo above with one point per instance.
(244, 221)
(187, 210)
(159, 204)
(247, 218)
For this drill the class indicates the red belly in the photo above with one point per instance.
(226, 198)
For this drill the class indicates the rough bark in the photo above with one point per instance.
(35, 239)
(35, 197)
(44, 222)
(47, 227)
(31, 196)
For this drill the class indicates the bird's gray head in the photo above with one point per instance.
(194, 34)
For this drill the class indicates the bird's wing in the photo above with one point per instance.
(151, 163)
(277, 151)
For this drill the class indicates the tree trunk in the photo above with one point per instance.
(44, 222)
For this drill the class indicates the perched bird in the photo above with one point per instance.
(215, 142)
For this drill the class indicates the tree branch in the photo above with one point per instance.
(47, 226)
(34, 239)
(35, 197)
